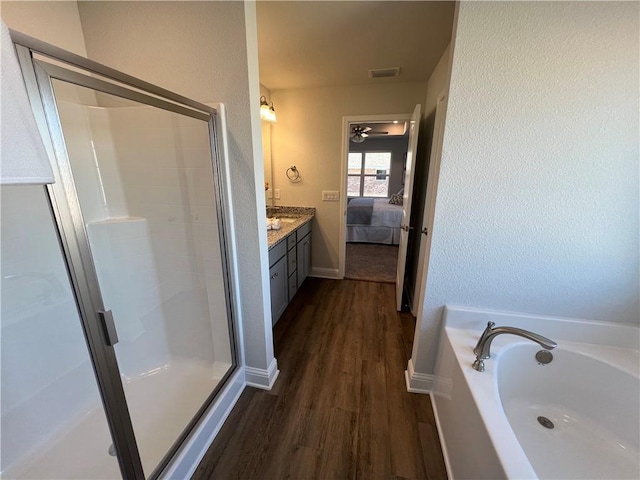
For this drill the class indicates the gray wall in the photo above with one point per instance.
(398, 148)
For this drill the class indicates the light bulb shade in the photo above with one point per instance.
(357, 138)
(272, 113)
(267, 112)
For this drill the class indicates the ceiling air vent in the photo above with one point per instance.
(384, 72)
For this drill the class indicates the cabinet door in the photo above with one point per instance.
(279, 290)
(304, 258)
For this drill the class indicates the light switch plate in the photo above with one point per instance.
(276, 194)
(269, 193)
(330, 196)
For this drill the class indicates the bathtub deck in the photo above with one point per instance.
(340, 408)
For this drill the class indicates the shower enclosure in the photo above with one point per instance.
(116, 341)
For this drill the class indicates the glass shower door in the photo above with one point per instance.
(146, 192)
(53, 422)
(143, 190)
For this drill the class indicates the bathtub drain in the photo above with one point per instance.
(545, 422)
(544, 356)
(112, 450)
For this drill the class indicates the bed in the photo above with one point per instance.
(373, 220)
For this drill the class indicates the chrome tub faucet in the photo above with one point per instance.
(483, 347)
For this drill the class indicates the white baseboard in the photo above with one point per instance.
(417, 382)
(261, 378)
(185, 462)
(443, 445)
(320, 272)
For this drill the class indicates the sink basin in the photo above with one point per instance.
(288, 220)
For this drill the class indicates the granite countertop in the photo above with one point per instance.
(301, 215)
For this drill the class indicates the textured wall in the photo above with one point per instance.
(537, 206)
(309, 135)
(56, 22)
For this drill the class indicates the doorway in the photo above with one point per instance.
(376, 153)
(374, 211)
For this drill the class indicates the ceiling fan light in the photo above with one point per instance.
(357, 138)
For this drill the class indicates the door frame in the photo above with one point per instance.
(346, 132)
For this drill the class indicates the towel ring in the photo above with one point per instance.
(293, 173)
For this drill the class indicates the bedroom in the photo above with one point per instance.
(375, 184)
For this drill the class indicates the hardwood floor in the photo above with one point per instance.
(340, 408)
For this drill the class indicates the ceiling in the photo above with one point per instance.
(305, 44)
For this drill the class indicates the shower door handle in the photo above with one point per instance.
(108, 327)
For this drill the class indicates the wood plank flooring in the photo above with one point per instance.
(339, 409)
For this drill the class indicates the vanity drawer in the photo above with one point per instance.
(292, 239)
(291, 262)
(293, 286)
(277, 252)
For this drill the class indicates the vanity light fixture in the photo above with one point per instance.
(267, 112)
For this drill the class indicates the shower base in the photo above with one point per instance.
(161, 404)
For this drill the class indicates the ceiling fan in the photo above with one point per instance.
(359, 133)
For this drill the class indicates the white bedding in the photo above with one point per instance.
(384, 228)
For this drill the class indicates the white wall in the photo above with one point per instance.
(309, 135)
(200, 50)
(537, 205)
(56, 22)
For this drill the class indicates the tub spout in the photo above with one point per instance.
(483, 347)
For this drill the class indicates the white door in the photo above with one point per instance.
(406, 204)
(430, 205)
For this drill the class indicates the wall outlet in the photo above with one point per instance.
(330, 196)
(269, 193)
(276, 194)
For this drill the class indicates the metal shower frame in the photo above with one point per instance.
(65, 208)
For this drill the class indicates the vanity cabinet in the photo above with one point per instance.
(289, 265)
(292, 263)
(303, 253)
(278, 281)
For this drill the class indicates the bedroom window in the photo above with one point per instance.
(368, 174)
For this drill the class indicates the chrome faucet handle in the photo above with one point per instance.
(483, 347)
(478, 348)
(478, 365)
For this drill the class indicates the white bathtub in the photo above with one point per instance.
(590, 391)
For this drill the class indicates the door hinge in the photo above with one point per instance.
(425, 231)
